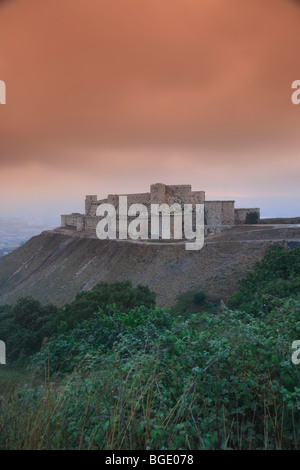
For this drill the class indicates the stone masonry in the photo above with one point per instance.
(218, 215)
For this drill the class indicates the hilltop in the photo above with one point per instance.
(55, 265)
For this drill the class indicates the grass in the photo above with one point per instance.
(126, 410)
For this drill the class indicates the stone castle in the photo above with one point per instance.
(218, 215)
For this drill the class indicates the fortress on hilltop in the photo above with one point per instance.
(218, 215)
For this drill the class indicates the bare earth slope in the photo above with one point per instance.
(55, 265)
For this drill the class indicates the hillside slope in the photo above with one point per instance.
(55, 265)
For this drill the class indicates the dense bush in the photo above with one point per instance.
(148, 380)
(252, 218)
(121, 294)
(134, 376)
(275, 277)
(193, 302)
(24, 326)
(100, 333)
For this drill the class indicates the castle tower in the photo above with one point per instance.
(88, 203)
(157, 193)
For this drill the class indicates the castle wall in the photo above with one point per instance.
(157, 193)
(228, 213)
(212, 216)
(89, 201)
(142, 198)
(95, 205)
(74, 221)
(91, 222)
(218, 215)
(198, 197)
(178, 194)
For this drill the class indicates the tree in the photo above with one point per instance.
(104, 295)
(252, 218)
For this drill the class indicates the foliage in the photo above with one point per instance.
(193, 302)
(275, 277)
(96, 336)
(134, 376)
(24, 326)
(211, 382)
(252, 218)
(120, 294)
(199, 298)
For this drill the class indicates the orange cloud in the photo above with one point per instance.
(186, 90)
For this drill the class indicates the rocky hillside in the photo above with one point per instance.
(55, 265)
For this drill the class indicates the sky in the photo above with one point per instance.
(110, 96)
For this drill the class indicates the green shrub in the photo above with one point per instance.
(199, 298)
(120, 294)
(24, 326)
(276, 276)
(192, 302)
(147, 377)
(150, 380)
(252, 218)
